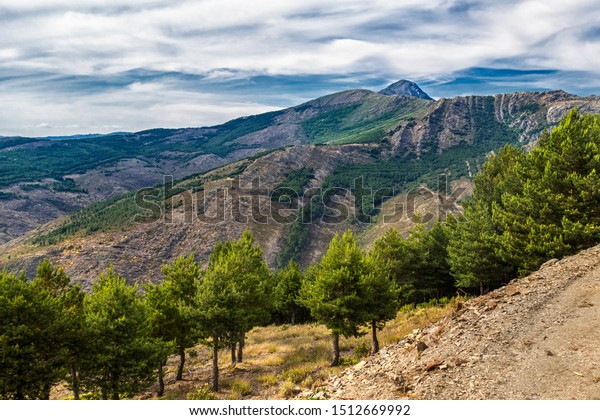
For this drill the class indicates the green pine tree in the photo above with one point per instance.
(287, 291)
(55, 281)
(234, 296)
(125, 356)
(334, 295)
(180, 286)
(380, 296)
(555, 211)
(32, 336)
(429, 261)
(474, 245)
(394, 254)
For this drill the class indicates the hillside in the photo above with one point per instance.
(42, 179)
(198, 211)
(398, 171)
(535, 338)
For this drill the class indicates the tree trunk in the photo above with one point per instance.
(115, 387)
(240, 353)
(336, 350)
(46, 395)
(233, 357)
(215, 365)
(375, 349)
(74, 381)
(181, 364)
(293, 316)
(161, 379)
(480, 289)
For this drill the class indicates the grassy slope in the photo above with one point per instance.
(280, 361)
(362, 122)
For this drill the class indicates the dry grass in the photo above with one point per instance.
(238, 388)
(268, 380)
(281, 361)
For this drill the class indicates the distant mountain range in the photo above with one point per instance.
(86, 136)
(395, 139)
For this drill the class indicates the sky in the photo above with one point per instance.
(99, 66)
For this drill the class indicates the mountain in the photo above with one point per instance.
(85, 136)
(510, 344)
(42, 179)
(405, 87)
(397, 145)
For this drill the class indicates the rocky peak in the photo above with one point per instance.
(405, 87)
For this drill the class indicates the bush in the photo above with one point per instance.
(268, 379)
(287, 389)
(311, 354)
(202, 393)
(362, 349)
(296, 375)
(240, 387)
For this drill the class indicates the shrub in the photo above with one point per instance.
(202, 393)
(240, 387)
(268, 379)
(297, 374)
(362, 349)
(287, 389)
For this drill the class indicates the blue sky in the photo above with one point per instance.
(85, 66)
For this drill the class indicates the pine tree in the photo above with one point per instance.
(474, 245)
(218, 311)
(287, 291)
(233, 297)
(171, 310)
(393, 253)
(555, 211)
(181, 283)
(254, 283)
(380, 296)
(55, 281)
(125, 357)
(163, 314)
(429, 261)
(32, 355)
(472, 251)
(335, 295)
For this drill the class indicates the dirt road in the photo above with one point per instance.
(536, 338)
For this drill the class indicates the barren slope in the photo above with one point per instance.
(139, 251)
(536, 338)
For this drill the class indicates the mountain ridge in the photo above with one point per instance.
(395, 141)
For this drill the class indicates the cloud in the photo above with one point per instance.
(246, 57)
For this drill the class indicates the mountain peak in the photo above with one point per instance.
(405, 87)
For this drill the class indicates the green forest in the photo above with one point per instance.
(113, 342)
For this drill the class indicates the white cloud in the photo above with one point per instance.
(229, 39)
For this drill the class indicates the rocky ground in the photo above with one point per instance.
(536, 338)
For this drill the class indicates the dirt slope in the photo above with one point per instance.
(536, 338)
